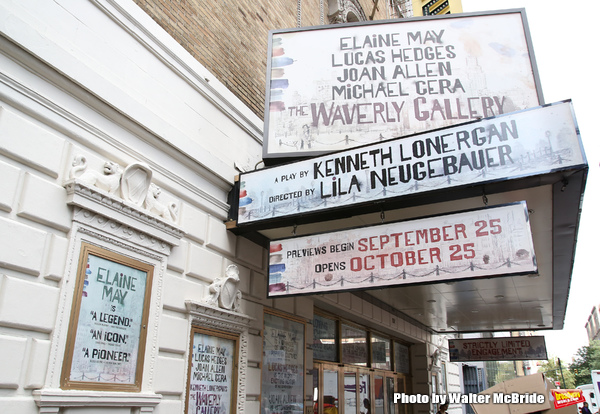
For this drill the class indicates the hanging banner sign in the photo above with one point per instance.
(337, 87)
(498, 349)
(479, 243)
(521, 144)
(564, 398)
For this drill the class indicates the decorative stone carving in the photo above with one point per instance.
(152, 204)
(344, 11)
(109, 180)
(224, 292)
(133, 185)
(135, 181)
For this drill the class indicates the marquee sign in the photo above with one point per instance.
(521, 144)
(498, 349)
(337, 87)
(479, 243)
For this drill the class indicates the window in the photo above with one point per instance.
(325, 339)
(381, 357)
(354, 346)
(401, 358)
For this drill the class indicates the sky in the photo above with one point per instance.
(567, 53)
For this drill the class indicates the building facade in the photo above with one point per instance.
(121, 290)
(436, 7)
(592, 325)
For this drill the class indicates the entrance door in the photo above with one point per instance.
(356, 390)
(326, 389)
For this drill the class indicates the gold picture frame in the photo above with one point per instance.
(106, 340)
(212, 370)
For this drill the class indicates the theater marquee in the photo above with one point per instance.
(480, 243)
(521, 144)
(498, 349)
(337, 87)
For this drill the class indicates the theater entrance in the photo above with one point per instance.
(347, 389)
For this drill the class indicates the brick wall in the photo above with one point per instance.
(229, 37)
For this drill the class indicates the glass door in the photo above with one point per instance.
(350, 391)
(330, 391)
(344, 389)
(364, 392)
(389, 387)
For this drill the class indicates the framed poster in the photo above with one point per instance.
(212, 374)
(107, 332)
(283, 365)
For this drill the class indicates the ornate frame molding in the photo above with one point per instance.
(121, 225)
(98, 209)
(207, 316)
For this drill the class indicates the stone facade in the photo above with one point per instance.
(99, 80)
(229, 37)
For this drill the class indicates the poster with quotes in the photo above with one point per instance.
(212, 375)
(107, 349)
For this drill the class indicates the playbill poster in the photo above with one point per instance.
(211, 382)
(283, 366)
(110, 325)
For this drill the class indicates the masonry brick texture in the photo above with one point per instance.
(230, 37)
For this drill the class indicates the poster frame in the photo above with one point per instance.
(291, 318)
(86, 250)
(234, 368)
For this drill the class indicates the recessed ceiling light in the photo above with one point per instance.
(474, 310)
(499, 296)
(432, 301)
(541, 325)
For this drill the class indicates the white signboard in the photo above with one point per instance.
(480, 243)
(520, 144)
(337, 87)
(498, 349)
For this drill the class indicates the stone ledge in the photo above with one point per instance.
(51, 400)
(100, 202)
